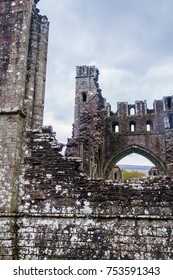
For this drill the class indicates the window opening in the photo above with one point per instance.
(169, 102)
(132, 111)
(84, 96)
(115, 128)
(132, 127)
(148, 127)
(171, 120)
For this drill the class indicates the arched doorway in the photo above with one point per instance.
(137, 150)
(135, 166)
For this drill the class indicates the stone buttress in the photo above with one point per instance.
(23, 54)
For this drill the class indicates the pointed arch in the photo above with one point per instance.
(138, 150)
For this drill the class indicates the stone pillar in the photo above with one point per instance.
(36, 70)
(15, 18)
(16, 48)
(40, 73)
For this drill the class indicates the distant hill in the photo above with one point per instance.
(141, 168)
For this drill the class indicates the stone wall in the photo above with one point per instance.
(94, 238)
(65, 215)
(8, 241)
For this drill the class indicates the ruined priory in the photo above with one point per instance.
(71, 207)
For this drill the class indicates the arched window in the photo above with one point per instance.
(149, 126)
(132, 126)
(115, 175)
(84, 96)
(132, 111)
(115, 127)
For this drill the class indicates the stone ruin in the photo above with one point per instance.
(102, 137)
(66, 207)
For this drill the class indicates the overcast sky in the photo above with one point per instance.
(129, 41)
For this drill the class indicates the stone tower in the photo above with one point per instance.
(87, 88)
(23, 53)
(90, 111)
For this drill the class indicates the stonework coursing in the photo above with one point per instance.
(63, 214)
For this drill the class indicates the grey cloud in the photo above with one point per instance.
(130, 39)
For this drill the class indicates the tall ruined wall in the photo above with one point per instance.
(89, 115)
(65, 215)
(135, 128)
(87, 89)
(23, 51)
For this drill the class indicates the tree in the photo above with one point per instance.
(134, 174)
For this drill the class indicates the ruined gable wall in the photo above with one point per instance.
(73, 217)
(65, 215)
